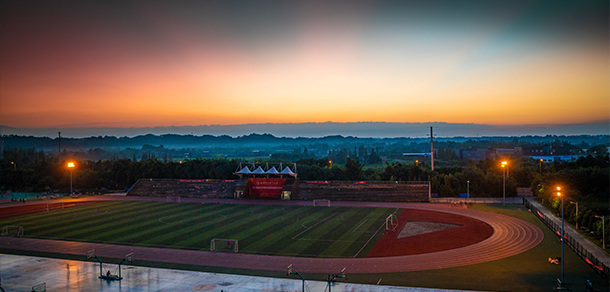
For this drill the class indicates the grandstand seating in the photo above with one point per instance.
(183, 188)
(382, 191)
(334, 191)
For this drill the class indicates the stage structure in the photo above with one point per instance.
(266, 181)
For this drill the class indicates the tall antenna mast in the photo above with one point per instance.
(59, 153)
(431, 149)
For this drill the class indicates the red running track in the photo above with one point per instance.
(510, 236)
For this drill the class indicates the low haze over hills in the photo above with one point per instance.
(357, 129)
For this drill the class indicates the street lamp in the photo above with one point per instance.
(468, 188)
(504, 163)
(540, 165)
(563, 234)
(575, 203)
(603, 231)
(70, 166)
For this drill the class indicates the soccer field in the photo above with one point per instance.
(260, 229)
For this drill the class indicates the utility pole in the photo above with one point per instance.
(431, 149)
(59, 153)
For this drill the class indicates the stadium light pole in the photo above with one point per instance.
(603, 231)
(563, 234)
(504, 163)
(70, 166)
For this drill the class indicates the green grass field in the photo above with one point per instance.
(260, 229)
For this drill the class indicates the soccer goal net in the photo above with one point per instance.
(321, 203)
(172, 199)
(391, 222)
(11, 230)
(225, 245)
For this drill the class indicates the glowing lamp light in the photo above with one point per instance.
(70, 164)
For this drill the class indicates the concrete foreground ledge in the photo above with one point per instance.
(21, 273)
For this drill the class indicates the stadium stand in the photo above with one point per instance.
(300, 190)
(206, 188)
(364, 191)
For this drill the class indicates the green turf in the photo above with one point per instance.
(260, 229)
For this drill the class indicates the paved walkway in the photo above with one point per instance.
(511, 236)
(583, 241)
(21, 273)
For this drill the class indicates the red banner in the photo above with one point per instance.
(266, 187)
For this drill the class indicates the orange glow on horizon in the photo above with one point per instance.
(174, 65)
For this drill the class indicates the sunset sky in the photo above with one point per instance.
(177, 63)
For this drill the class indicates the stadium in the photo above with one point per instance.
(266, 222)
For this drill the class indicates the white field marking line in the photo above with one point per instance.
(161, 220)
(367, 242)
(313, 225)
(360, 225)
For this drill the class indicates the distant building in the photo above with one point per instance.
(506, 153)
(551, 158)
(476, 154)
(531, 150)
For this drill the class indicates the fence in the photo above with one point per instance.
(598, 265)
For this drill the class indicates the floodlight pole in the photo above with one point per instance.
(563, 234)
(503, 186)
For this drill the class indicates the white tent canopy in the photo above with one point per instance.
(244, 170)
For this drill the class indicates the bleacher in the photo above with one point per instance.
(334, 191)
(208, 188)
(367, 191)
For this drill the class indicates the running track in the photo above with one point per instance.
(511, 236)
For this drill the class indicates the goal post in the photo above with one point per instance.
(391, 222)
(172, 199)
(321, 203)
(224, 245)
(12, 230)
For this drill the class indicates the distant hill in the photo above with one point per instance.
(319, 130)
(184, 141)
